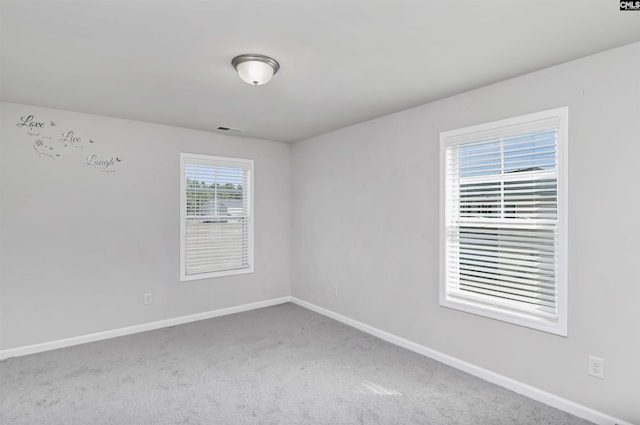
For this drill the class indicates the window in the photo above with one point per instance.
(216, 214)
(503, 220)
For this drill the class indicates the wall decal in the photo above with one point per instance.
(28, 121)
(49, 143)
(68, 138)
(105, 164)
(41, 149)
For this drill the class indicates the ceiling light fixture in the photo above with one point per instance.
(255, 69)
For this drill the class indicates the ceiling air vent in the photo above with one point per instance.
(230, 129)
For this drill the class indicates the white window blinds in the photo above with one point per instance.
(503, 244)
(217, 222)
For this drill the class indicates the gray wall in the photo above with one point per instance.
(365, 210)
(79, 246)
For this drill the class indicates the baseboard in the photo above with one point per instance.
(98, 336)
(495, 378)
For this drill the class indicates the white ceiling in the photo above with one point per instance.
(342, 61)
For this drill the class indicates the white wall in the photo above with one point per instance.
(365, 210)
(79, 246)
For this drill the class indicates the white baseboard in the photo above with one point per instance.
(98, 336)
(495, 378)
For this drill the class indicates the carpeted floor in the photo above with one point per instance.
(277, 365)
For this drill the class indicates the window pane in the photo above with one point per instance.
(214, 191)
(480, 159)
(216, 217)
(214, 246)
(515, 264)
(502, 239)
(481, 200)
(530, 152)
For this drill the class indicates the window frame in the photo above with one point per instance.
(215, 161)
(557, 325)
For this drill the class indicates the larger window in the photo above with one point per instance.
(503, 230)
(216, 214)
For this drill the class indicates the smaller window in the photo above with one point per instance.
(216, 216)
(503, 230)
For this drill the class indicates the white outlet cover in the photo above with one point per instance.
(596, 367)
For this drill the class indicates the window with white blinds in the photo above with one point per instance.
(216, 216)
(504, 209)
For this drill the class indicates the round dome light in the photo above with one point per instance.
(255, 69)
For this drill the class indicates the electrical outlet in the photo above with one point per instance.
(148, 298)
(335, 290)
(596, 367)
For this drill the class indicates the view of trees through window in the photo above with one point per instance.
(214, 191)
